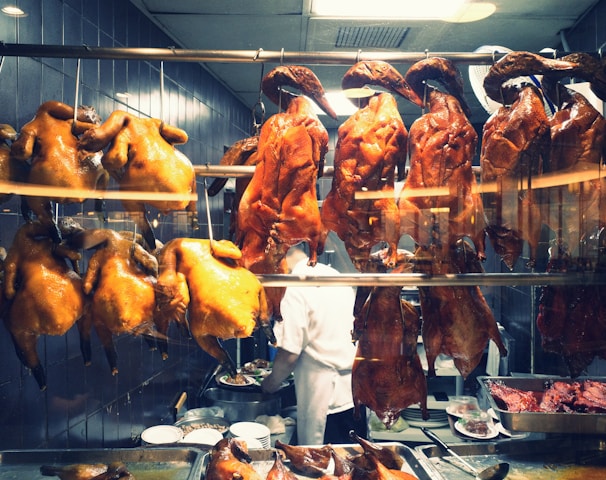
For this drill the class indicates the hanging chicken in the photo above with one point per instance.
(387, 375)
(225, 300)
(120, 280)
(279, 208)
(11, 170)
(371, 144)
(43, 292)
(457, 320)
(515, 144)
(243, 152)
(142, 158)
(441, 145)
(49, 145)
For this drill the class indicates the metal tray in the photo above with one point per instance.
(558, 458)
(144, 463)
(545, 422)
(263, 459)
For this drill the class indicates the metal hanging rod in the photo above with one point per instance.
(424, 280)
(237, 56)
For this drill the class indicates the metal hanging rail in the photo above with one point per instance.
(237, 56)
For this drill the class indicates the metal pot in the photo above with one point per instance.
(241, 406)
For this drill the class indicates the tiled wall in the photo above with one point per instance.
(87, 407)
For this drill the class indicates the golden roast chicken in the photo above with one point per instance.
(49, 145)
(142, 157)
(44, 293)
(226, 300)
(120, 280)
(11, 169)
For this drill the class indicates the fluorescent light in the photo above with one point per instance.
(13, 11)
(408, 9)
(339, 103)
(472, 12)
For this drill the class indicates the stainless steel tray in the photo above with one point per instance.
(144, 463)
(582, 423)
(558, 458)
(263, 459)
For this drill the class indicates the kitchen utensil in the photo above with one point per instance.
(494, 472)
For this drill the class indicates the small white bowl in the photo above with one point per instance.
(161, 434)
(204, 436)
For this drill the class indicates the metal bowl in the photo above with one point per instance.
(242, 406)
(187, 424)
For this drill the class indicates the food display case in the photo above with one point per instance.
(556, 271)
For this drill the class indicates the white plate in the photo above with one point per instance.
(450, 410)
(502, 430)
(204, 436)
(492, 432)
(160, 434)
(248, 381)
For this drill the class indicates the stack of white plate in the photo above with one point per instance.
(414, 417)
(251, 431)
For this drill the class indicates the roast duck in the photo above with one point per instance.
(279, 207)
(371, 145)
(229, 460)
(120, 280)
(387, 375)
(223, 300)
(515, 146)
(243, 152)
(441, 145)
(571, 318)
(43, 290)
(142, 157)
(457, 320)
(48, 144)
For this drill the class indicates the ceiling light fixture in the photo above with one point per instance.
(13, 11)
(472, 12)
(395, 9)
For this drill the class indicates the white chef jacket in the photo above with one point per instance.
(317, 324)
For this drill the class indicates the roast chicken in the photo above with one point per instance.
(243, 152)
(83, 471)
(43, 291)
(387, 375)
(515, 145)
(279, 207)
(225, 300)
(371, 145)
(120, 280)
(441, 145)
(142, 157)
(11, 169)
(229, 460)
(457, 320)
(48, 144)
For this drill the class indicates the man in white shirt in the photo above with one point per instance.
(314, 343)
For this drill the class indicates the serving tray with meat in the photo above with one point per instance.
(548, 404)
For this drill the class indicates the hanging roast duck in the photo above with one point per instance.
(371, 145)
(279, 207)
(142, 158)
(442, 144)
(515, 145)
(49, 145)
